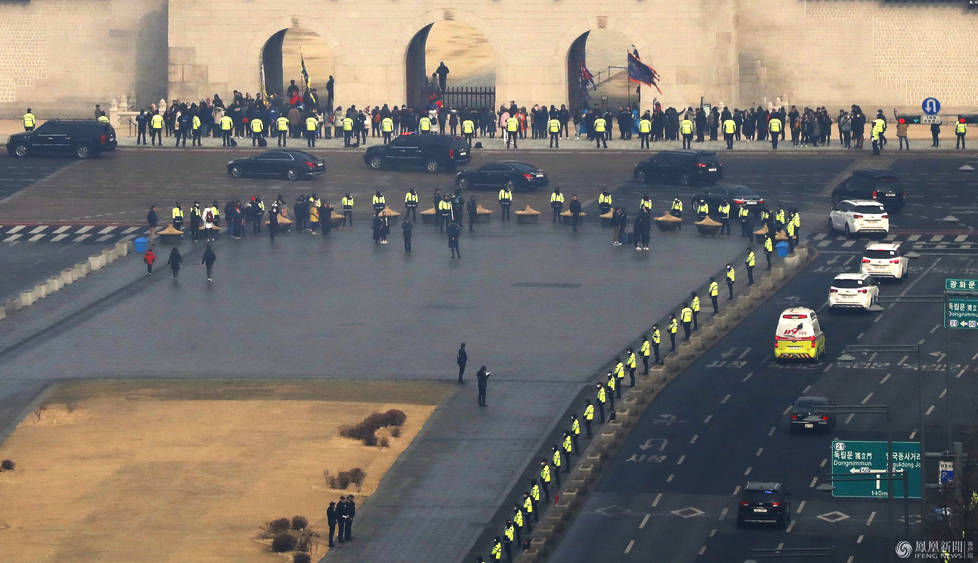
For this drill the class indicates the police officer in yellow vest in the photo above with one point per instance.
(750, 261)
(775, 126)
(556, 204)
(686, 316)
(512, 130)
(312, 129)
(656, 341)
(724, 211)
(714, 291)
(156, 128)
(29, 120)
(195, 131)
(601, 397)
(960, 129)
(694, 304)
(176, 216)
(631, 363)
(600, 128)
(645, 350)
(743, 215)
(645, 131)
(387, 128)
(505, 201)
(468, 130)
(227, 124)
(347, 131)
(879, 127)
(379, 202)
(103, 118)
(673, 329)
(588, 417)
(729, 128)
(768, 249)
(686, 130)
(282, 129)
(553, 126)
(444, 213)
(256, 128)
(702, 210)
(645, 204)
(424, 125)
(604, 201)
(347, 203)
(731, 277)
(676, 210)
(411, 205)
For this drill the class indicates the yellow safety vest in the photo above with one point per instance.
(604, 198)
(774, 125)
(619, 370)
(468, 127)
(687, 315)
(656, 336)
(750, 261)
(725, 210)
(556, 198)
(568, 447)
(645, 126)
(348, 124)
(695, 304)
(510, 532)
(686, 127)
(729, 126)
(703, 208)
(283, 123)
(103, 119)
(554, 126)
(379, 199)
(589, 412)
(602, 396)
(512, 124)
(645, 204)
(960, 128)
(545, 474)
(497, 551)
(410, 198)
(631, 360)
(743, 212)
(714, 289)
(646, 347)
(518, 518)
(29, 120)
(677, 205)
(599, 125)
(387, 125)
(256, 125)
(556, 458)
(226, 123)
(731, 275)
(156, 122)
(768, 247)
(177, 212)
(505, 195)
(424, 124)
(347, 202)
(195, 124)
(312, 123)
(611, 382)
(673, 325)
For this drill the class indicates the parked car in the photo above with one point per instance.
(683, 167)
(433, 153)
(880, 185)
(808, 413)
(853, 291)
(764, 503)
(738, 196)
(798, 335)
(82, 138)
(513, 175)
(286, 163)
(884, 260)
(855, 216)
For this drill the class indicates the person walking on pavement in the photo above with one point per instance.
(731, 277)
(588, 417)
(461, 358)
(208, 261)
(482, 378)
(694, 304)
(601, 397)
(152, 219)
(174, 262)
(331, 520)
(673, 329)
(656, 342)
(453, 232)
(149, 258)
(750, 261)
(714, 291)
(407, 228)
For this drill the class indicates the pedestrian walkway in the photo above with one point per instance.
(70, 233)
(919, 242)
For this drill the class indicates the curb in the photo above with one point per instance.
(587, 468)
(67, 277)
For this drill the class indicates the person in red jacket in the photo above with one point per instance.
(149, 258)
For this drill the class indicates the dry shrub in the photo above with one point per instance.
(299, 522)
(304, 539)
(301, 558)
(343, 479)
(283, 542)
(7, 465)
(366, 429)
(396, 431)
(279, 525)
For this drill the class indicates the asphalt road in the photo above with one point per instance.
(672, 493)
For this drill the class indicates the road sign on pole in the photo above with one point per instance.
(961, 303)
(945, 472)
(861, 458)
(931, 106)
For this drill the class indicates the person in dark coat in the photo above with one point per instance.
(378, 226)
(208, 261)
(473, 210)
(152, 219)
(453, 231)
(575, 209)
(407, 227)
(326, 218)
(174, 261)
(351, 512)
(461, 359)
(342, 516)
(331, 520)
(482, 378)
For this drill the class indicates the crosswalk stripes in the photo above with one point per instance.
(68, 234)
(916, 241)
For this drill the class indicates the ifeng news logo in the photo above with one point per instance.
(946, 550)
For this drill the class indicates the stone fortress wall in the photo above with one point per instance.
(63, 56)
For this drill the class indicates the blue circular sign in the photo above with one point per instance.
(931, 106)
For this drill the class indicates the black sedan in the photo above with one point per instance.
(736, 194)
(808, 414)
(286, 163)
(495, 175)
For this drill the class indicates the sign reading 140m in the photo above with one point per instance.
(864, 459)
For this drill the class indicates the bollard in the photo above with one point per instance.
(658, 374)
(544, 531)
(792, 261)
(95, 263)
(53, 285)
(570, 497)
(777, 272)
(708, 333)
(3, 313)
(12, 305)
(696, 342)
(801, 252)
(27, 298)
(686, 350)
(67, 276)
(623, 416)
(123, 246)
(539, 546)
(720, 321)
(586, 471)
(672, 365)
(82, 269)
(594, 456)
(40, 291)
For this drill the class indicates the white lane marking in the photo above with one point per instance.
(806, 389)
(644, 521)
(725, 399)
(771, 431)
(713, 532)
(903, 359)
(629, 546)
(849, 259)
(780, 547)
(944, 392)
(103, 238)
(655, 502)
(786, 409)
(937, 238)
(746, 377)
(38, 229)
(129, 230)
(56, 238)
(975, 357)
(812, 484)
(960, 373)
(681, 459)
(819, 236)
(860, 335)
(960, 238)
(791, 526)
(913, 434)
(930, 409)
(723, 513)
(15, 229)
(871, 357)
(851, 559)
(849, 418)
(670, 477)
(106, 230)
(84, 229)
(61, 229)
(828, 366)
(825, 461)
(801, 506)
(744, 353)
(36, 238)
(758, 452)
(663, 446)
(933, 330)
(708, 418)
(859, 539)
(702, 550)
(878, 317)
(869, 521)
(823, 243)
(914, 237)
(866, 398)
(736, 491)
(922, 340)
(748, 470)
(694, 438)
(848, 243)
(885, 378)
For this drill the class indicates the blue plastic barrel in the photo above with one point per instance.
(139, 244)
(782, 248)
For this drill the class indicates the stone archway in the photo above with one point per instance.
(282, 57)
(467, 54)
(599, 57)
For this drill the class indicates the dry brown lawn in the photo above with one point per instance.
(188, 471)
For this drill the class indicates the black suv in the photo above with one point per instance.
(764, 503)
(680, 167)
(431, 152)
(82, 138)
(881, 185)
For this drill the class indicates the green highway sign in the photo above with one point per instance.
(958, 284)
(961, 312)
(863, 459)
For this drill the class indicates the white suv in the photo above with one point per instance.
(859, 291)
(853, 216)
(884, 260)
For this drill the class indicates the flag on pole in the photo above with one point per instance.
(641, 72)
(261, 77)
(586, 78)
(305, 76)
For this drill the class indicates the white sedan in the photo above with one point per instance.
(884, 260)
(853, 291)
(853, 216)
